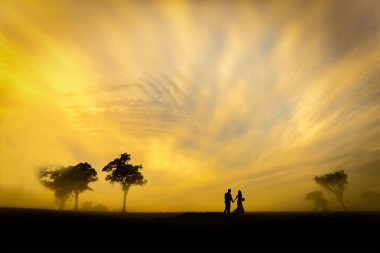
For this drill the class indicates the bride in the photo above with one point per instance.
(239, 209)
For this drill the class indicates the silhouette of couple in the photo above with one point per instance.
(228, 199)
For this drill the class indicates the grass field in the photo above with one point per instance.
(31, 230)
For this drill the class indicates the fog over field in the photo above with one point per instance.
(260, 96)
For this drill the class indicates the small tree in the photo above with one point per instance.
(66, 181)
(319, 201)
(53, 178)
(124, 173)
(334, 182)
(79, 177)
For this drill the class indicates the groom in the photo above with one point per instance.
(227, 201)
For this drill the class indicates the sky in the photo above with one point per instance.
(260, 96)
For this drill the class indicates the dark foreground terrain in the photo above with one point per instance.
(30, 230)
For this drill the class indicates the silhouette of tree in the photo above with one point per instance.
(124, 173)
(66, 181)
(79, 176)
(320, 203)
(334, 182)
(53, 178)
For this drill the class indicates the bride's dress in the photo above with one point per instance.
(239, 209)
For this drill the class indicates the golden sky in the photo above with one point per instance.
(259, 96)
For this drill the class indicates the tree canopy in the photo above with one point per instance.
(124, 173)
(335, 182)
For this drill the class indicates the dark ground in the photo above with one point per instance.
(29, 230)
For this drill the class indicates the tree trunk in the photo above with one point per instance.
(76, 201)
(340, 199)
(125, 198)
(343, 205)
